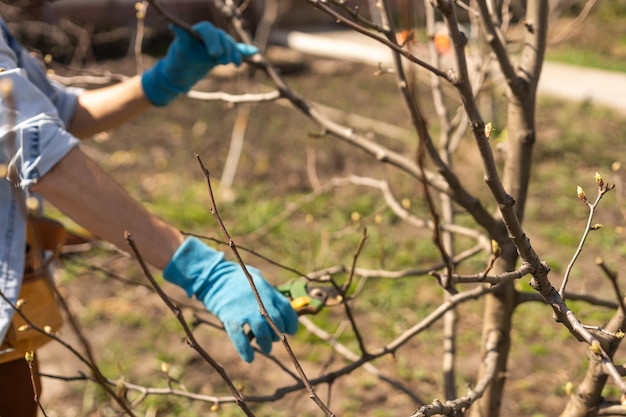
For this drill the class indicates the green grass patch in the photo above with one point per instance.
(586, 58)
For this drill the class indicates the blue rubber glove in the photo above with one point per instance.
(224, 289)
(188, 60)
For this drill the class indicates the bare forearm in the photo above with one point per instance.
(108, 107)
(84, 192)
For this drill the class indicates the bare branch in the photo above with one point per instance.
(235, 98)
(566, 31)
(346, 353)
(602, 190)
(191, 339)
(264, 312)
(459, 405)
(382, 39)
(496, 40)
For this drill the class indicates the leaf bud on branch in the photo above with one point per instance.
(599, 180)
(595, 347)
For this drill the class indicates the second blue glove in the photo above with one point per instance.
(224, 289)
(188, 60)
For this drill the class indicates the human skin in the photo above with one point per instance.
(83, 191)
(108, 107)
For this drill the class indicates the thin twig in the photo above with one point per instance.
(191, 339)
(30, 360)
(346, 287)
(175, 20)
(566, 31)
(614, 283)
(419, 123)
(348, 354)
(235, 98)
(382, 39)
(141, 9)
(454, 407)
(88, 361)
(602, 190)
(264, 313)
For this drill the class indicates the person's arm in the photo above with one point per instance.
(187, 61)
(108, 107)
(50, 163)
(88, 195)
(84, 192)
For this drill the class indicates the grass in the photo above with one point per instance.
(574, 141)
(598, 42)
(385, 308)
(586, 58)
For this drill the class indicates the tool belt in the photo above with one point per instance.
(37, 299)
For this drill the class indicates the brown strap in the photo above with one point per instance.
(43, 234)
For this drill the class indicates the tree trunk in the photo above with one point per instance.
(521, 128)
(497, 316)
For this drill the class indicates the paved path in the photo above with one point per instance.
(570, 82)
(602, 87)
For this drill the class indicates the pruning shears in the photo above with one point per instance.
(309, 299)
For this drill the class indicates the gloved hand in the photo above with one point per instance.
(224, 289)
(188, 60)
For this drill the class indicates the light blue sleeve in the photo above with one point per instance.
(36, 110)
(12, 251)
(39, 136)
(33, 139)
(13, 55)
(63, 98)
